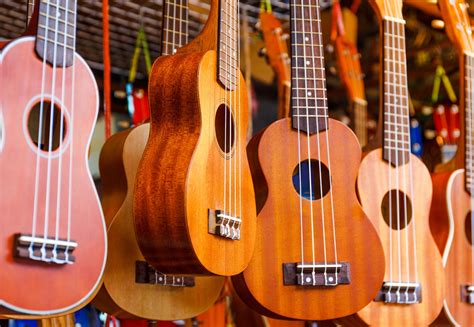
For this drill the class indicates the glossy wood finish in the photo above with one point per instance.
(274, 157)
(372, 186)
(458, 253)
(172, 199)
(120, 295)
(57, 288)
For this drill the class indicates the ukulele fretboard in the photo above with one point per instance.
(469, 119)
(56, 36)
(308, 80)
(396, 135)
(175, 26)
(228, 46)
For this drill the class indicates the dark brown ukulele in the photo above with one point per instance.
(317, 256)
(194, 204)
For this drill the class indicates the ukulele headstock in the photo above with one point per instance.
(350, 70)
(457, 21)
(276, 49)
(388, 8)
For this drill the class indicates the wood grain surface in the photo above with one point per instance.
(458, 255)
(120, 295)
(278, 229)
(58, 288)
(376, 178)
(172, 200)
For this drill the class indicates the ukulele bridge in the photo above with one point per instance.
(44, 249)
(224, 225)
(467, 294)
(146, 274)
(399, 293)
(314, 275)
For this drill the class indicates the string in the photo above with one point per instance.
(235, 70)
(239, 129)
(297, 69)
(308, 136)
(225, 36)
(61, 132)
(405, 144)
(470, 150)
(328, 154)
(50, 137)
(40, 137)
(71, 131)
(387, 72)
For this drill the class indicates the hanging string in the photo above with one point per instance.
(106, 55)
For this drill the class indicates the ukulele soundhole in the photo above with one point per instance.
(311, 179)
(468, 227)
(44, 126)
(399, 213)
(225, 129)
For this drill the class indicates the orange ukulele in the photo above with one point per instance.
(317, 256)
(194, 204)
(395, 190)
(348, 60)
(451, 210)
(52, 228)
(131, 287)
(276, 51)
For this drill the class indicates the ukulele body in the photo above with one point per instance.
(274, 157)
(172, 200)
(453, 212)
(120, 294)
(430, 268)
(57, 287)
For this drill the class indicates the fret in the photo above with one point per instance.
(397, 149)
(175, 26)
(56, 33)
(228, 44)
(398, 141)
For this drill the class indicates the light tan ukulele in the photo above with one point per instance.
(451, 210)
(395, 190)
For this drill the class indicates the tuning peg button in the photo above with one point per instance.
(285, 36)
(262, 52)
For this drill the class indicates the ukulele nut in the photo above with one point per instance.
(399, 293)
(224, 225)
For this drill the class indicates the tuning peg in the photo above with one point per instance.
(330, 48)
(277, 30)
(258, 25)
(285, 36)
(262, 52)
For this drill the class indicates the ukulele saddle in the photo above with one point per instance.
(45, 249)
(314, 275)
(400, 293)
(224, 225)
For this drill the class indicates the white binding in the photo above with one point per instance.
(97, 283)
(449, 242)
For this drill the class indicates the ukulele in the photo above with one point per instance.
(348, 60)
(313, 238)
(52, 227)
(395, 191)
(131, 287)
(276, 51)
(194, 204)
(451, 210)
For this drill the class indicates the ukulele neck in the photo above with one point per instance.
(308, 80)
(468, 119)
(359, 108)
(396, 128)
(56, 32)
(175, 26)
(228, 44)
